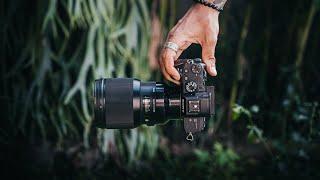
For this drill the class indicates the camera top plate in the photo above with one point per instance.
(193, 75)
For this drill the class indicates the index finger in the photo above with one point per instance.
(168, 56)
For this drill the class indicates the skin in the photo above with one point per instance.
(199, 25)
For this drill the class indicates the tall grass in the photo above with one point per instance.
(57, 51)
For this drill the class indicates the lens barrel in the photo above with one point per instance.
(127, 103)
(114, 101)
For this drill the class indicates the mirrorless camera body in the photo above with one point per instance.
(124, 103)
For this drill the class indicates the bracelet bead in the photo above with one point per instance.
(209, 4)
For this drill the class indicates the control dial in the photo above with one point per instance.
(191, 86)
(196, 68)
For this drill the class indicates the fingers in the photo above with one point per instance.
(211, 66)
(208, 54)
(168, 56)
(168, 61)
(165, 74)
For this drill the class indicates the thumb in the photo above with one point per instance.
(208, 57)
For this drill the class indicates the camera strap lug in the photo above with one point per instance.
(189, 137)
(193, 125)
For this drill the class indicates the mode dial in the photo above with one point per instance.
(191, 86)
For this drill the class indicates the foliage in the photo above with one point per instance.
(220, 163)
(238, 110)
(267, 91)
(59, 49)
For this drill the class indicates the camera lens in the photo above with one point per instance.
(127, 103)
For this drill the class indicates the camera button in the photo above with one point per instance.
(194, 106)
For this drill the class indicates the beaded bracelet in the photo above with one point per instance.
(209, 4)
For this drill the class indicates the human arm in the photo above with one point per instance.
(199, 25)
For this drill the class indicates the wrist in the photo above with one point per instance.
(213, 4)
(205, 9)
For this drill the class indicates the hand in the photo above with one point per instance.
(199, 25)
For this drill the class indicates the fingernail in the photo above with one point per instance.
(175, 77)
(214, 70)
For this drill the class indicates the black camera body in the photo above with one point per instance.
(197, 98)
(124, 103)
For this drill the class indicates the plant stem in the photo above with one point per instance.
(303, 43)
(238, 67)
(305, 35)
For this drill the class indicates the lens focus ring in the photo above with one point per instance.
(99, 101)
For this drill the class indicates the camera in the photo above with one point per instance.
(125, 103)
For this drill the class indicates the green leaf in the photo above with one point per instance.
(255, 134)
(238, 110)
(202, 156)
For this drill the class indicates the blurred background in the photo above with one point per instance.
(267, 122)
